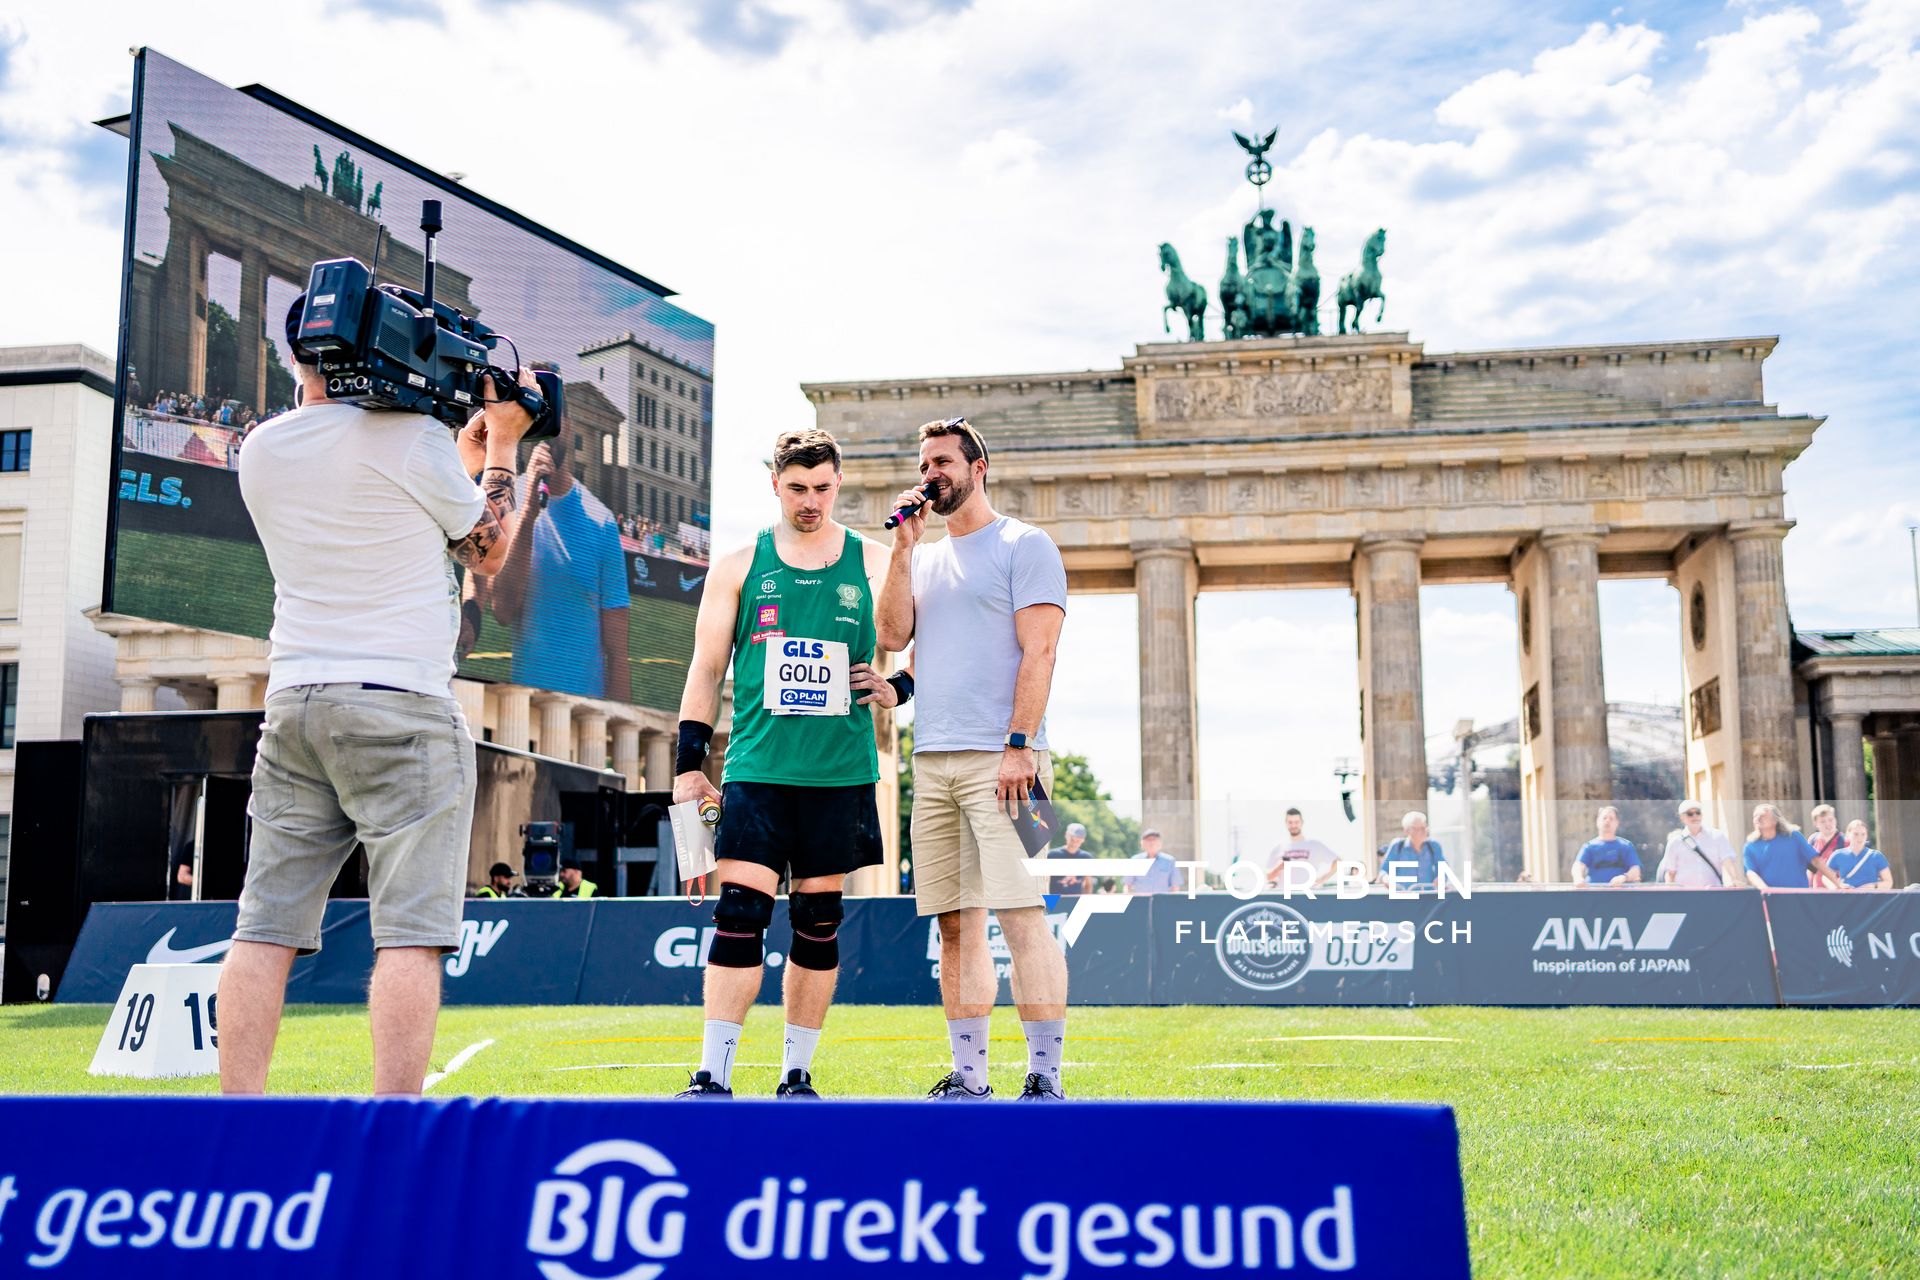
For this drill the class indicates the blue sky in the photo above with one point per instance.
(872, 188)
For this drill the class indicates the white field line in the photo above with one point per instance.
(454, 1063)
(1409, 1039)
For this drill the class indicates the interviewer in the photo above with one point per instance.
(359, 513)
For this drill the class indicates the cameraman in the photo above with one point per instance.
(359, 512)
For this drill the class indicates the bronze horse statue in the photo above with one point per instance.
(1233, 293)
(1183, 295)
(1357, 288)
(1303, 288)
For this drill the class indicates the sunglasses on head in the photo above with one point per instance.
(961, 424)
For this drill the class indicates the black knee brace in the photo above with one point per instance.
(815, 918)
(740, 922)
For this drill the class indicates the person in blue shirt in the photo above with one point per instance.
(1778, 856)
(1609, 859)
(1413, 861)
(1858, 866)
(1162, 871)
(564, 588)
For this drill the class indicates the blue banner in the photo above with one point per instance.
(1846, 948)
(564, 1190)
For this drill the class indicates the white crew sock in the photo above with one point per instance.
(969, 1039)
(801, 1042)
(717, 1049)
(1046, 1045)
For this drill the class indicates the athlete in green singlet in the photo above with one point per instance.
(793, 614)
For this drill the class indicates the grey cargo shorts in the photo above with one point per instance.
(339, 763)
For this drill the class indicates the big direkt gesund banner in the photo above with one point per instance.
(562, 1190)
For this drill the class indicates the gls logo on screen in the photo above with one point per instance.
(137, 486)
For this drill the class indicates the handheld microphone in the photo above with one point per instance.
(928, 492)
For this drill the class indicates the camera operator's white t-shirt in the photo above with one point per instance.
(355, 510)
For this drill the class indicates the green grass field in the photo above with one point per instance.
(1595, 1142)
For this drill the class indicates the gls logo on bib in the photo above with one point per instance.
(807, 678)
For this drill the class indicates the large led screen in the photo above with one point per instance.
(235, 194)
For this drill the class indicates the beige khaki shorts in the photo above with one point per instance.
(966, 852)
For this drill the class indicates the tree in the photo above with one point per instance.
(1077, 797)
(223, 351)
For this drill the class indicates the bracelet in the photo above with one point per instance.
(902, 682)
(691, 751)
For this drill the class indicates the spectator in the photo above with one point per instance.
(500, 883)
(1777, 856)
(1826, 838)
(1858, 866)
(1320, 860)
(572, 883)
(1072, 845)
(1413, 861)
(1697, 854)
(1161, 871)
(1608, 859)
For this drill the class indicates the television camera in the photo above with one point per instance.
(384, 346)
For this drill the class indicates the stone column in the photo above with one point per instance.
(716, 761)
(250, 374)
(1762, 643)
(1387, 580)
(659, 762)
(1888, 800)
(626, 752)
(1582, 763)
(1849, 769)
(137, 693)
(556, 726)
(516, 717)
(232, 693)
(1166, 580)
(472, 697)
(590, 736)
(1904, 858)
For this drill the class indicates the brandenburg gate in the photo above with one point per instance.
(1364, 461)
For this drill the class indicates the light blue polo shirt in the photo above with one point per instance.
(1782, 861)
(1858, 869)
(1425, 862)
(1159, 877)
(578, 570)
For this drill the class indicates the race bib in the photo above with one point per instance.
(807, 677)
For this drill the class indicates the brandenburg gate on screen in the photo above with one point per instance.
(1364, 461)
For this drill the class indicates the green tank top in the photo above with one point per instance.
(778, 604)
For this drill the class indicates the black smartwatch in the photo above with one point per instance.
(1018, 741)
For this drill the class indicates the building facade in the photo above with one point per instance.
(667, 441)
(56, 446)
(1367, 462)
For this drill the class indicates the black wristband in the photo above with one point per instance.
(691, 752)
(902, 682)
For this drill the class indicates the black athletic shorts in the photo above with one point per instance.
(802, 831)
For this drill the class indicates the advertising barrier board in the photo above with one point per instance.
(594, 1190)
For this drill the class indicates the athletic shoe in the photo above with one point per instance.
(798, 1084)
(952, 1088)
(1040, 1088)
(700, 1085)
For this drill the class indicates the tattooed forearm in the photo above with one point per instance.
(497, 486)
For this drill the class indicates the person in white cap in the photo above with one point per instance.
(1697, 854)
